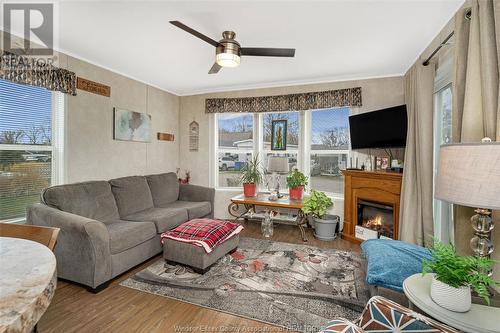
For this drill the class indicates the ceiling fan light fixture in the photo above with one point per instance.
(227, 59)
(228, 51)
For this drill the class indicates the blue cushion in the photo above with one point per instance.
(390, 262)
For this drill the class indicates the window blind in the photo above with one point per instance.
(26, 146)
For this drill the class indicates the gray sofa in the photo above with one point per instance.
(108, 227)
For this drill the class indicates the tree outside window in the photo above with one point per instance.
(329, 149)
(25, 146)
(235, 148)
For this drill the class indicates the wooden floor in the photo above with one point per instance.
(121, 309)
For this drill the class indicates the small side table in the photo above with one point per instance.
(479, 319)
(28, 281)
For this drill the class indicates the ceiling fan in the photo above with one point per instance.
(228, 51)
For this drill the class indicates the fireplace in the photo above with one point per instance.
(376, 216)
(381, 190)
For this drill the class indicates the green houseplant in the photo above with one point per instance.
(296, 181)
(315, 206)
(251, 176)
(455, 276)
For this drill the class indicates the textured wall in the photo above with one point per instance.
(91, 151)
(377, 94)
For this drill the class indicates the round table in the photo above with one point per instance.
(27, 283)
(479, 319)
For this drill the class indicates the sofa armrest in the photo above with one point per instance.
(82, 249)
(197, 193)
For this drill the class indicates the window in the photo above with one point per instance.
(443, 114)
(235, 133)
(329, 150)
(31, 121)
(442, 135)
(317, 143)
(292, 145)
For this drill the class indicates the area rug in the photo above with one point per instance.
(299, 287)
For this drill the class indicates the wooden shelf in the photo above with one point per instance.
(281, 218)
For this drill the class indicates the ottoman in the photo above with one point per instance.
(200, 243)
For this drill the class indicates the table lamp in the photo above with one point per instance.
(277, 165)
(469, 175)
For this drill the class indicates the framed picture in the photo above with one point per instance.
(278, 134)
(381, 163)
(194, 136)
(131, 126)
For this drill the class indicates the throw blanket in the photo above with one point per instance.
(390, 262)
(206, 233)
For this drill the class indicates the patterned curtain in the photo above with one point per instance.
(291, 102)
(34, 72)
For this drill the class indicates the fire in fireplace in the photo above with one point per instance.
(376, 216)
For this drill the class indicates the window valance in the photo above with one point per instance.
(291, 102)
(36, 72)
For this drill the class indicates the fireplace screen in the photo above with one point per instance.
(376, 216)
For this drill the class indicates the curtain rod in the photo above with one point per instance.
(443, 43)
(468, 14)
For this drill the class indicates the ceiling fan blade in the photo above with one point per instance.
(267, 52)
(195, 33)
(215, 69)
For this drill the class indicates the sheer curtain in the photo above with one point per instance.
(416, 216)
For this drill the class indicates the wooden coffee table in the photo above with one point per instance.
(249, 205)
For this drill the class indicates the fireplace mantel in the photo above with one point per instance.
(378, 186)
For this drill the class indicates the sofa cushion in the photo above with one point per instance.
(195, 209)
(124, 235)
(164, 218)
(132, 194)
(93, 200)
(164, 188)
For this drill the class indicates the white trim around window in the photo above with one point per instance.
(59, 108)
(444, 229)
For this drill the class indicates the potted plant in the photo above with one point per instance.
(315, 206)
(251, 176)
(296, 181)
(455, 275)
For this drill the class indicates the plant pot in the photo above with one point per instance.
(296, 193)
(450, 298)
(325, 227)
(249, 189)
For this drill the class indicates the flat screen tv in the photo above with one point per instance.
(384, 128)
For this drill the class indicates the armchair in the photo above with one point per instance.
(384, 316)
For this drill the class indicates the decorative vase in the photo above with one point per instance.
(267, 226)
(249, 189)
(450, 298)
(296, 192)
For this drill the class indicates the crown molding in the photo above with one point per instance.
(284, 84)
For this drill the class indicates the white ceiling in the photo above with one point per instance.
(334, 40)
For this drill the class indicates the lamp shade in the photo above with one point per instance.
(469, 175)
(277, 164)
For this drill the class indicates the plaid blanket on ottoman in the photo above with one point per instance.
(206, 233)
